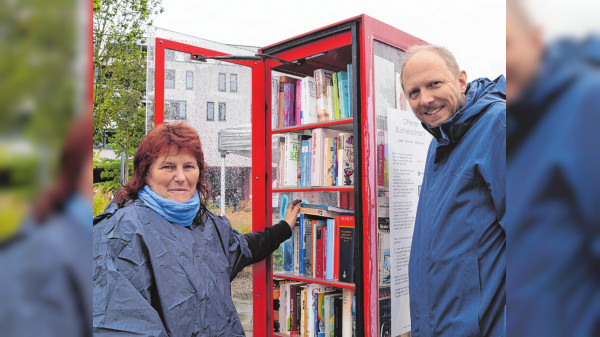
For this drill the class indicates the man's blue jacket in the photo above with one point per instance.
(457, 268)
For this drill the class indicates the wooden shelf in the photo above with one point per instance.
(313, 189)
(308, 279)
(346, 123)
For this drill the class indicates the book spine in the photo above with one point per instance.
(302, 245)
(347, 160)
(293, 307)
(331, 247)
(308, 247)
(317, 157)
(288, 254)
(311, 96)
(282, 81)
(292, 152)
(319, 253)
(303, 312)
(350, 112)
(336, 96)
(324, 251)
(335, 161)
(298, 103)
(347, 295)
(337, 313)
(288, 108)
(346, 246)
(328, 161)
(309, 164)
(305, 168)
(274, 102)
(330, 101)
(297, 250)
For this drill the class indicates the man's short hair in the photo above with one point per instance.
(444, 53)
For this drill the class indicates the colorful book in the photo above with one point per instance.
(294, 308)
(283, 80)
(331, 102)
(289, 92)
(318, 261)
(346, 249)
(343, 93)
(308, 100)
(312, 291)
(308, 271)
(323, 80)
(380, 156)
(303, 309)
(302, 225)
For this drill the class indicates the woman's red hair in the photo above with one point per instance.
(155, 144)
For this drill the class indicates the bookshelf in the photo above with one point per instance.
(355, 44)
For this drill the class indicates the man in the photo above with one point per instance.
(457, 269)
(553, 175)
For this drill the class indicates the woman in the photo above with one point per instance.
(163, 263)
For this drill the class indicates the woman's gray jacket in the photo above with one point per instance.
(157, 278)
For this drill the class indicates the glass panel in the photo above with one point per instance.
(189, 80)
(402, 145)
(210, 111)
(196, 107)
(233, 82)
(169, 78)
(222, 111)
(222, 84)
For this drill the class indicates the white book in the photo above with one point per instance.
(323, 80)
(292, 158)
(347, 295)
(308, 100)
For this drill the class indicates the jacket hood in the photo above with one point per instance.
(480, 94)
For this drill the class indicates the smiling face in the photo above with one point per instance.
(435, 94)
(174, 175)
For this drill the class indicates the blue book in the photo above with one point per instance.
(302, 246)
(329, 249)
(288, 254)
(343, 93)
(349, 100)
(304, 163)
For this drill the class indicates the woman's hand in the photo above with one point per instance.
(292, 212)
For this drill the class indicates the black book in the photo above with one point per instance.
(337, 314)
(346, 247)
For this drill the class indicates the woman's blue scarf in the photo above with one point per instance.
(182, 213)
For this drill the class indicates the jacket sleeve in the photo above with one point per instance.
(122, 282)
(494, 171)
(247, 249)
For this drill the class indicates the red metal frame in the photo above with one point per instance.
(312, 126)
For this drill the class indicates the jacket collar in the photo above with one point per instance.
(480, 94)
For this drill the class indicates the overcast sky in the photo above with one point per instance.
(474, 30)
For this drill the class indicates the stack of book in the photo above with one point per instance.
(299, 101)
(322, 244)
(313, 310)
(323, 158)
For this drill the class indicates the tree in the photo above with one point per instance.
(120, 71)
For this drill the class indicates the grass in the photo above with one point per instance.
(102, 197)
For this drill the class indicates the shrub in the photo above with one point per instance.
(102, 197)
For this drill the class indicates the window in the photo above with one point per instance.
(169, 78)
(221, 111)
(222, 84)
(233, 82)
(175, 109)
(210, 111)
(169, 55)
(189, 80)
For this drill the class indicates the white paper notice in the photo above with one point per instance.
(408, 144)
